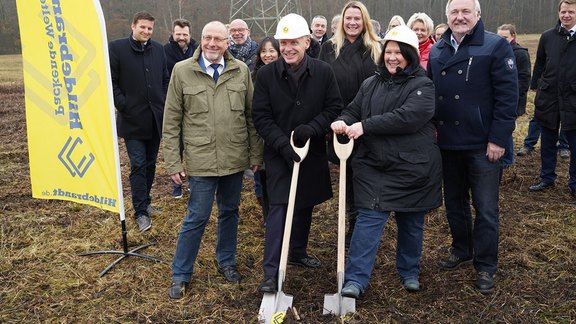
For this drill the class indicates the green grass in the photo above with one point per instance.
(10, 69)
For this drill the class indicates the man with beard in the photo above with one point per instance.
(209, 102)
(179, 47)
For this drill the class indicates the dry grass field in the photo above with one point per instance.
(42, 278)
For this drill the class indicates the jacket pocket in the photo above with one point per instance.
(237, 96)
(411, 170)
(545, 99)
(195, 99)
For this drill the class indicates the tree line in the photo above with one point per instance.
(529, 16)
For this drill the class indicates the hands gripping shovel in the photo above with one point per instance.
(335, 303)
(274, 306)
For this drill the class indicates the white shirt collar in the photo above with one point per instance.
(209, 69)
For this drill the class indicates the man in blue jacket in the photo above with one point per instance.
(139, 81)
(476, 81)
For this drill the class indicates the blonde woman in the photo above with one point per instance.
(423, 26)
(396, 20)
(352, 52)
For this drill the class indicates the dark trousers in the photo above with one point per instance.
(301, 223)
(549, 157)
(470, 173)
(534, 131)
(142, 155)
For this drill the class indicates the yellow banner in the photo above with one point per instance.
(70, 119)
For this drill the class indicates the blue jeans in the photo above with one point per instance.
(508, 157)
(202, 190)
(470, 172)
(258, 185)
(142, 155)
(366, 240)
(549, 158)
(534, 130)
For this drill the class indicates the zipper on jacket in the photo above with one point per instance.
(468, 69)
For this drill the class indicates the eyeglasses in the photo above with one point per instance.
(208, 39)
(237, 30)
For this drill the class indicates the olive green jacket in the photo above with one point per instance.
(215, 119)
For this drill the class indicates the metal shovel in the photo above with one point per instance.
(335, 303)
(274, 306)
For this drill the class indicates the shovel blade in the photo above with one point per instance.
(335, 304)
(347, 306)
(274, 307)
(331, 304)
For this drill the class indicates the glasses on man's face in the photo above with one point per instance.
(237, 30)
(208, 39)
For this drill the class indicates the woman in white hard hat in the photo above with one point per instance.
(353, 53)
(423, 26)
(397, 165)
(294, 93)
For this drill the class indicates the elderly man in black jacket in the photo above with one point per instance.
(294, 93)
(554, 77)
(139, 81)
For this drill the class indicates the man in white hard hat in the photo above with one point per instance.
(300, 94)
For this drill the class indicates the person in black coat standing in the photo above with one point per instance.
(508, 32)
(299, 94)
(554, 78)
(397, 165)
(180, 46)
(352, 52)
(139, 82)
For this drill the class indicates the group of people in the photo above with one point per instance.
(431, 110)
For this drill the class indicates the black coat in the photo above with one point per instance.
(523, 65)
(139, 81)
(174, 53)
(314, 48)
(555, 78)
(397, 165)
(351, 68)
(277, 110)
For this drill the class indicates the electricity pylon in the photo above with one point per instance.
(262, 15)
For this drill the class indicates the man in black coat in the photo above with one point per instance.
(180, 46)
(300, 94)
(508, 32)
(554, 77)
(139, 81)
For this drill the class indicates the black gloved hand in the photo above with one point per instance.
(302, 133)
(289, 155)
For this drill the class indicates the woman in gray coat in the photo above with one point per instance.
(397, 166)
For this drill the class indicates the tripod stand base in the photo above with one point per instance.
(124, 255)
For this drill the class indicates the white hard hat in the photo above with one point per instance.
(403, 34)
(292, 26)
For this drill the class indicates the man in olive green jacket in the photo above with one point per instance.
(209, 100)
